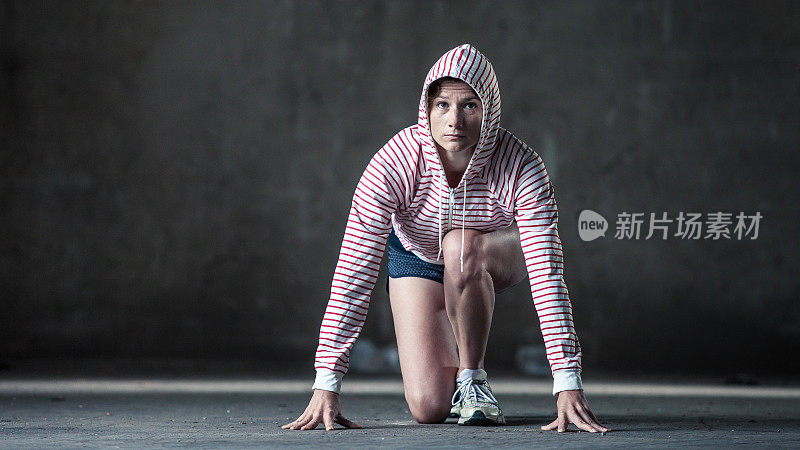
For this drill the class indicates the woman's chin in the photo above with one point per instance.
(455, 148)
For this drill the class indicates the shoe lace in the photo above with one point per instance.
(477, 391)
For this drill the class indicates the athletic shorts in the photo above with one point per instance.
(403, 263)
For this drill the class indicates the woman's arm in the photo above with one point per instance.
(363, 244)
(537, 218)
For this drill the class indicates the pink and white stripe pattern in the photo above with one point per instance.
(404, 187)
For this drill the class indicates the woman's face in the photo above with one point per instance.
(455, 115)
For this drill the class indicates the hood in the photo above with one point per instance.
(466, 63)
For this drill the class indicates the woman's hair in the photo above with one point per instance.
(436, 86)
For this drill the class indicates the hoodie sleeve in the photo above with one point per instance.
(368, 227)
(537, 218)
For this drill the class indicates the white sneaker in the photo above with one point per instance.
(455, 411)
(475, 403)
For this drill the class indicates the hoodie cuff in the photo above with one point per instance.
(567, 380)
(328, 380)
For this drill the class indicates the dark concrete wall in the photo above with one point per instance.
(176, 175)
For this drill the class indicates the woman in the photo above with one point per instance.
(467, 210)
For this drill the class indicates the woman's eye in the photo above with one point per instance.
(471, 105)
(441, 105)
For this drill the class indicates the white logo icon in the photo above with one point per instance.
(591, 225)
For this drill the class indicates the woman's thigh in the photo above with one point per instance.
(505, 260)
(425, 343)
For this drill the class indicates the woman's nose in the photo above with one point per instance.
(456, 118)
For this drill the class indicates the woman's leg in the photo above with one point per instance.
(492, 262)
(426, 345)
(425, 322)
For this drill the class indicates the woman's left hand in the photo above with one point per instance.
(572, 408)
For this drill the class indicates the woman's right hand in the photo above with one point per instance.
(323, 408)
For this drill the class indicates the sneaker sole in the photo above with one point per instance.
(479, 419)
(455, 412)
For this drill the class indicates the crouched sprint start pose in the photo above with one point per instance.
(464, 210)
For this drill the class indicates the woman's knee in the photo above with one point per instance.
(473, 253)
(428, 407)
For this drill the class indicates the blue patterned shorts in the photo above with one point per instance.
(403, 263)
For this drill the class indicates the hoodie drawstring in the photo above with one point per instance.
(463, 219)
(441, 193)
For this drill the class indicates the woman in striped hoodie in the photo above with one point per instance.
(464, 210)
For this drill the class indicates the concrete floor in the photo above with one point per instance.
(186, 412)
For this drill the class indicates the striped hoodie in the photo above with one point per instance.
(404, 186)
